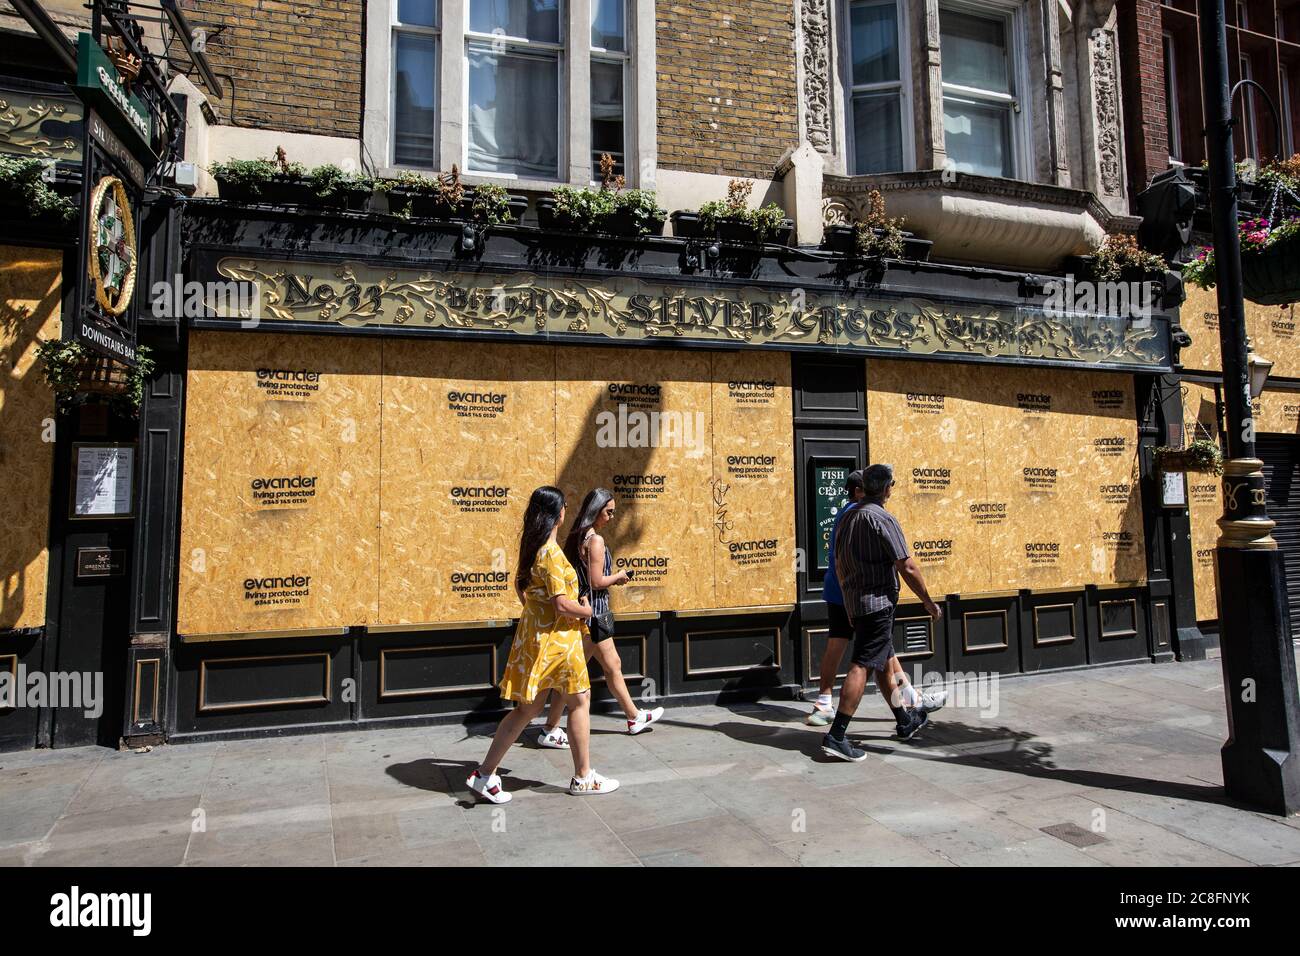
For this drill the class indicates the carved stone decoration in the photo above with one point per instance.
(1106, 96)
(815, 22)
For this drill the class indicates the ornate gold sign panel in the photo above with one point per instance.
(113, 260)
(627, 309)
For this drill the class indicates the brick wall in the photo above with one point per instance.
(1143, 76)
(296, 66)
(727, 86)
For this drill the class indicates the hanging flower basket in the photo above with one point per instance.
(1201, 456)
(1272, 276)
(76, 375)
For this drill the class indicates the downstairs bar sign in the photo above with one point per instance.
(359, 296)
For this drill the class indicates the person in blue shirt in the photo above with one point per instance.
(840, 630)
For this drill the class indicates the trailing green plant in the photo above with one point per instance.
(641, 206)
(491, 204)
(1121, 251)
(878, 236)
(584, 209)
(329, 180)
(735, 208)
(62, 361)
(21, 178)
(1200, 455)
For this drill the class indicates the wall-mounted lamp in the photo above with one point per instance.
(1258, 368)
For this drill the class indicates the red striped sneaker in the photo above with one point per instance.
(489, 788)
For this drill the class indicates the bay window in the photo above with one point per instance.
(980, 106)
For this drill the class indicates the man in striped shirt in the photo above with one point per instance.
(871, 554)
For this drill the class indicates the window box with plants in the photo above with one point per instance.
(1201, 456)
(876, 236)
(611, 209)
(1270, 244)
(1119, 259)
(731, 220)
(446, 199)
(279, 182)
(25, 193)
(77, 374)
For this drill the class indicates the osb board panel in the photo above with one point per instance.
(753, 479)
(926, 419)
(1274, 332)
(280, 521)
(1010, 478)
(1204, 501)
(1277, 411)
(468, 433)
(31, 289)
(639, 423)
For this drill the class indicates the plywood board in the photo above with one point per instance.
(1274, 332)
(31, 290)
(639, 423)
(1204, 501)
(1010, 478)
(1277, 411)
(280, 515)
(753, 480)
(468, 433)
(926, 419)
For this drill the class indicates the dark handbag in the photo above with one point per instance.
(601, 625)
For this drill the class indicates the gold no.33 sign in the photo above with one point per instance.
(113, 262)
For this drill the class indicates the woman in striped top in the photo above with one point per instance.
(586, 551)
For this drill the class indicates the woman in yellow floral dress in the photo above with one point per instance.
(547, 652)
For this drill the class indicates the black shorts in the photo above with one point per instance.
(839, 627)
(873, 639)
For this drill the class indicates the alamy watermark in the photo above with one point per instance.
(176, 298)
(73, 690)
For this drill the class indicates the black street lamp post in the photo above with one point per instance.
(1261, 759)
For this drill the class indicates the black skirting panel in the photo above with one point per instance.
(1052, 631)
(255, 683)
(432, 673)
(1117, 625)
(983, 634)
(741, 656)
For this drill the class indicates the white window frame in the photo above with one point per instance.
(452, 114)
(1170, 52)
(1013, 14)
(1250, 131)
(907, 133)
(540, 49)
(624, 58)
(395, 29)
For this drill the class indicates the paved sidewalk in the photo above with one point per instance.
(1117, 766)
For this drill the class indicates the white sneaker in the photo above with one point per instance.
(555, 739)
(488, 788)
(933, 700)
(643, 720)
(593, 784)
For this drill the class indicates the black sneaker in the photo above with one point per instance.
(842, 749)
(910, 729)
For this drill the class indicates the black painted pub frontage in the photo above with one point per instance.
(315, 542)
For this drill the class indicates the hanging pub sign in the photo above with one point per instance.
(118, 157)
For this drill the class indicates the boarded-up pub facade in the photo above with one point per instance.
(351, 408)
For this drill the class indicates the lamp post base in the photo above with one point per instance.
(1261, 760)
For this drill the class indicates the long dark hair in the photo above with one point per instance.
(592, 505)
(543, 514)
